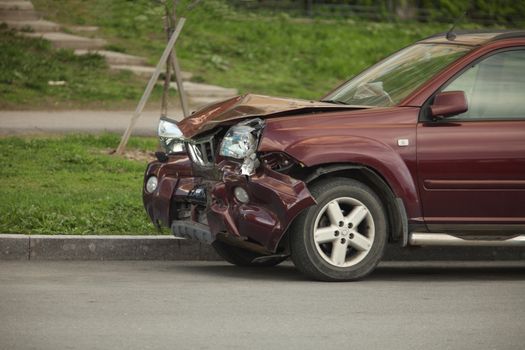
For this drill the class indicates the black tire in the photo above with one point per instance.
(241, 257)
(313, 258)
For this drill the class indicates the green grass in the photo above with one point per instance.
(71, 185)
(270, 55)
(27, 66)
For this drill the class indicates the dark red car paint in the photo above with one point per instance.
(472, 172)
(175, 180)
(275, 200)
(441, 175)
(366, 137)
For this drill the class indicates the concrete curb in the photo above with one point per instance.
(74, 247)
(14, 247)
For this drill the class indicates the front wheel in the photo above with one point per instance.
(343, 237)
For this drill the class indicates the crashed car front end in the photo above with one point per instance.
(217, 186)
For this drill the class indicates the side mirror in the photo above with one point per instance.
(448, 104)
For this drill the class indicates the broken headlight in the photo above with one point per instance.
(170, 136)
(241, 141)
(238, 142)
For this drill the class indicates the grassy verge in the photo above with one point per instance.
(70, 185)
(33, 75)
(270, 55)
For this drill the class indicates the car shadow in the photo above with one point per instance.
(283, 272)
(398, 271)
(448, 273)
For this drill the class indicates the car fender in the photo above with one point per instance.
(377, 156)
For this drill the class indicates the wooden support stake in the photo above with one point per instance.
(167, 78)
(180, 87)
(149, 88)
(174, 63)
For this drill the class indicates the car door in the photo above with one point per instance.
(471, 167)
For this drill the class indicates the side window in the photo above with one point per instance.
(495, 87)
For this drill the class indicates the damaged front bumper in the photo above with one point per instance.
(205, 207)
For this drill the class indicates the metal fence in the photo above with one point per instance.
(382, 11)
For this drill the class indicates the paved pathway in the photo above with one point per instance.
(205, 305)
(35, 122)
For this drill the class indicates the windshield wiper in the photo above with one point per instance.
(335, 102)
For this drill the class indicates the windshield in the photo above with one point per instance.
(393, 79)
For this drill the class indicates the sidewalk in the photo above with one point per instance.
(78, 121)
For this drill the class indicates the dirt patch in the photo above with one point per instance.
(134, 154)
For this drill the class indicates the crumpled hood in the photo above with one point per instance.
(249, 105)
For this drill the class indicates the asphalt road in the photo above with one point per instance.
(205, 305)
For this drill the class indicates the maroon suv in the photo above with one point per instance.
(427, 147)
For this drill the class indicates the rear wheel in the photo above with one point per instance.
(244, 258)
(344, 236)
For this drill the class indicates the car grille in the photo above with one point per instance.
(202, 151)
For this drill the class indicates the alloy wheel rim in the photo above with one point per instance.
(344, 232)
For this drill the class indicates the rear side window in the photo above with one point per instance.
(495, 87)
